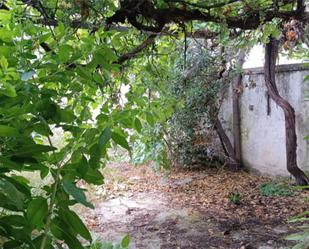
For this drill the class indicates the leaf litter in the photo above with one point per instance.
(190, 209)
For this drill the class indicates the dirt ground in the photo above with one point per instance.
(189, 209)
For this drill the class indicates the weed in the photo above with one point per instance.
(276, 189)
(235, 197)
(98, 244)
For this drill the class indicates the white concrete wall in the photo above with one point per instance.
(263, 135)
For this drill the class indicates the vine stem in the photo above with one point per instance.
(50, 209)
(52, 200)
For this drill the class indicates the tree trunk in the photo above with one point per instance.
(233, 158)
(233, 163)
(271, 52)
(236, 109)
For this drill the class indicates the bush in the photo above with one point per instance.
(200, 90)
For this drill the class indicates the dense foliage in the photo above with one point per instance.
(55, 80)
(200, 87)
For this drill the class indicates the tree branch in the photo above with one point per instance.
(208, 7)
(150, 40)
(164, 16)
(121, 59)
(160, 17)
(36, 4)
(300, 6)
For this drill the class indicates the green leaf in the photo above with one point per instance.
(95, 156)
(64, 53)
(295, 237)
(44, 172)
(77, 193)
(37, 211)
(6, 163)
(38, 241)
(31, 149)
(9, 90)
(4, 63)
(75, 223)
(60, 30)
(13, 195)
(66, 115)
(13, 220)
(150, 119)
(55, 227)
(6, 35)
(8, 131)
(60, 230)
(125, 241)
(108, 54)
(105, 137)
(94, 176)
(21, 184)
(42, 129)
(5, 15)
(83, 73)
(102, 118)
(12, 244)
(138, 125)
(120, 140)
(82, 166)
(72, 242)
(104, 245)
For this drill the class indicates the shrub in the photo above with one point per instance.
(199, 88)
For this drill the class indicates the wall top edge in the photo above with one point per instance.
(279, 68)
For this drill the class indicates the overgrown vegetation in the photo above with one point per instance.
(64, 65)
(50, 81)
(200, 82)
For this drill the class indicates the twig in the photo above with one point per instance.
(53, 196)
